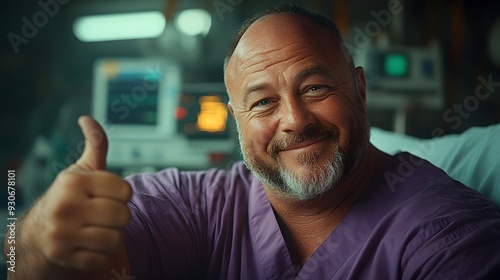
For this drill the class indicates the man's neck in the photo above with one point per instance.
(306, 224)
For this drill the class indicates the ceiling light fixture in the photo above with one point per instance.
(119, 26)
(194, 22)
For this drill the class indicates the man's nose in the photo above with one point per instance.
(295, 116)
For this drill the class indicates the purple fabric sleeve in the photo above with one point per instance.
(182, 223)
(412, 222)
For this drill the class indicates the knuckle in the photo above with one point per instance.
(127, 191)
(63, 210)
(113, 240)
(124, 190)
(116, 215)
(128, 216)
(56, 235)
(59, 235)
(70, 179)
(91, 261)
(55, 252)
(125, 215)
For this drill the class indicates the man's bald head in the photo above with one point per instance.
(318, 19)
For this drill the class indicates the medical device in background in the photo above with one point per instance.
(397, 76)
(154, 121)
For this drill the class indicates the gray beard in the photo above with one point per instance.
(321, 180)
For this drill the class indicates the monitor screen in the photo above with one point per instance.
(202, 112)
(129, 102)
(134, 98)
(395, 65)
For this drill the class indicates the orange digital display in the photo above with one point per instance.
(212, 117)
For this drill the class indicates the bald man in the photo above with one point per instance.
(313, 199)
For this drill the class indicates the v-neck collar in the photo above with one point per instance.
(267, 239)
(336, 249)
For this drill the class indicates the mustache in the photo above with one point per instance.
(311, 134)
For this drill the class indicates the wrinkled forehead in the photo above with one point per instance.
(271, 34)
(277, 31)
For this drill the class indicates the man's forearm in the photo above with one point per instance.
(30, 264)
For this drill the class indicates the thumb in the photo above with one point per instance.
(96, 145)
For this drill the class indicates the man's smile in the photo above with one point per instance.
(305, 145)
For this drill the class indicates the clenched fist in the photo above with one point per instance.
(78, 222)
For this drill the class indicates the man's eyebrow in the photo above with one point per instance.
(254, 88)
(300, 76)
(311, 71)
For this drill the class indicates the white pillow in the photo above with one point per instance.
(472, 157)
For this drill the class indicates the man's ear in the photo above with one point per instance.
(361, 82)
(230, 109)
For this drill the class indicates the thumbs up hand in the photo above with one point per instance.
(96, 145)
(78, 222)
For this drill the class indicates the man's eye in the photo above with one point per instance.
(263, 102)
(314, 88)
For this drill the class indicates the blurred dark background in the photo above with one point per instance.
(46, 73)
(46, 80)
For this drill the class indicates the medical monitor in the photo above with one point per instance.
(397, 75)
(394, 65)
(202, 113)
(153, 120)
(132, 98)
